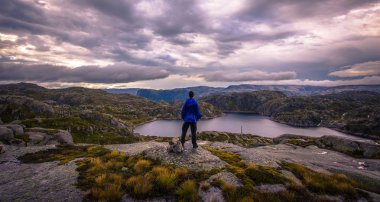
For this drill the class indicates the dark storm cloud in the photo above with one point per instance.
(119, 32)
(179, 17)
(227, 76)
(118, 73)
(273, 11)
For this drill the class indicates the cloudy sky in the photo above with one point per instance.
(180, 43)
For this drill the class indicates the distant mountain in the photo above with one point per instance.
(355, 112)
(171, 95)
(132, 91)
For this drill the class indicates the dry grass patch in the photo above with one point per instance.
(142, 166)
(188, 191)
(139, 186)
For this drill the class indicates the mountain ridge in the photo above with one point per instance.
(170, 95)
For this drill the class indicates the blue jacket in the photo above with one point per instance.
(190, 111)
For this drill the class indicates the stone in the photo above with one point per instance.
(47, 181)
(17, 129)
(2, 148)
(282, 139)
(175, 146)
(213, 194)
(196, 160)
(17, 142)
(37, 138)
(6, 134)
(227, 177)
(16, 122)
(117, 123)
(271, 188)
(367, 149)
(64, 137)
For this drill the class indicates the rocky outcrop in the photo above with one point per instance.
(366, 149)
(6, 134)
(100, 117)
(12, 134)
(17, 129)
(192, 159)
(22, 107)
(354, 112)
(242, 102)
(298, 140)
(48, 181)
(42, 136)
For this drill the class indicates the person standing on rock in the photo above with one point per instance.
(190, 115)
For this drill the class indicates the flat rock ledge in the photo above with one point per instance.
(36, 182)
(192, 159)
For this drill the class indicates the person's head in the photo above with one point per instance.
(191, 94)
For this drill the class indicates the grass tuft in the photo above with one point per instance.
(188, 191)
(142, 166)
(139, 186)
(165, 179)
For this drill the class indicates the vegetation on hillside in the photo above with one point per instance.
(91, 116)
(356, 112)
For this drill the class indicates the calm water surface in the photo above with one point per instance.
(233, 122)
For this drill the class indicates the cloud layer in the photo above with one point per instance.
(117, 73)
(254, 75)
(361, 69)
(128, 42)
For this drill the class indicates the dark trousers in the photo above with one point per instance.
(193, 128)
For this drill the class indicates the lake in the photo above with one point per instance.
(234, 122)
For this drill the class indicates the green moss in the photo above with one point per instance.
(228, 157)
(264, 174)
(42, 130)
(85, 131)
(63, 154)
(302, 142)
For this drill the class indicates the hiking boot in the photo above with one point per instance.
(195, 146)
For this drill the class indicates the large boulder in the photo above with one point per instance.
(37, 138)
(367, 149)
(64, 137)
(298, 140)
(44, 136)
(6, 134)
(17, 129)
